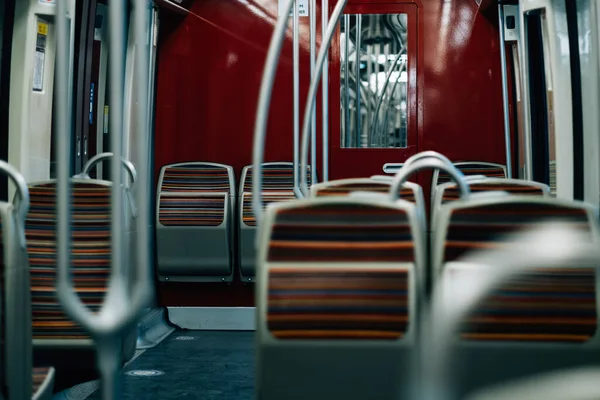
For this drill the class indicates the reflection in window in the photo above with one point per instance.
(374, 81)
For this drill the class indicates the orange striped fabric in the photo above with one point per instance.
(192, 194)
(347, 188)
(338, 304)
(277, 186)
(452, 193)
(267, 198)
(195, 177)
(338, 232)
(474, 168)
(90, 254)
(545, 304)
(191, 211)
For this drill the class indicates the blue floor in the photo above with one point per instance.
(193, 365)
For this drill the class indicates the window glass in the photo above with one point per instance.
(374, 80)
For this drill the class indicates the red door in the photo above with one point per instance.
(380, 125)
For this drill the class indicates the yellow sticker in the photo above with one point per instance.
(42, 28)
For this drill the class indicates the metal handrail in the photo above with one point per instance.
(23, 196)
(122, 305)
(85, 173)
(262, 111)
(426, 162)
(312, 91)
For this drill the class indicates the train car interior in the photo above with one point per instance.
(299, 199)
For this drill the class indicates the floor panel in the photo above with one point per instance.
(193, 365)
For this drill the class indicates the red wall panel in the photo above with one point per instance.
(209, 71)
(210, 64)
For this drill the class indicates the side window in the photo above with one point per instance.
(374, 80)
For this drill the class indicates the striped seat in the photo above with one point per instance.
(469, 168)
(17, 376)
(278, 186)
(449, 191)
(53, 330)
(338, 295)
(343, 187)
(195, 205)
(541, 320)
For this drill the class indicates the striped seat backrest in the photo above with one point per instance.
(194, 194)
(248, 217)
(343, 187)
(544, 304)
(195, 177)
(338, 269)
(470, 168)
(277, 177)
(450, 192)
(90, 254)
(277, 186)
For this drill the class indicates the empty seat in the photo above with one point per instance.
(194, 231)
(542, 320)
(449, 191)
(56, 336)
(277, 186)
(469, 168)
(337, 298)
(18, 378)
(378, 184)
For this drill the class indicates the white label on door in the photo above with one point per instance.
(302, 8)
(51, 2)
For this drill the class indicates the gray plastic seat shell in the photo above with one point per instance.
(325, 369)
(480, 364)
(196, 253)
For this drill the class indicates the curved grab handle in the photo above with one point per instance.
(393, 168)
(312, 91)
(106, 156)
(262, 112)
(426, 154)
(22, 189)
(429, 162)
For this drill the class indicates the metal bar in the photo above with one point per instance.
(383, 93)
(505, 91)
(262, 111)
(346, 82)
(325, 95)
(105, 156)
(313, 114)
(312, 91)
(122, 306)
(296, 83)
(358, 83)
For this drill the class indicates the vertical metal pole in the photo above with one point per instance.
(62, 127)
(296, 79)
(313, 50)
(144, 60)
(347, 127)
(505, 91)
(325, 94)
(358, 83)
(117, 38)
(312, 91)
